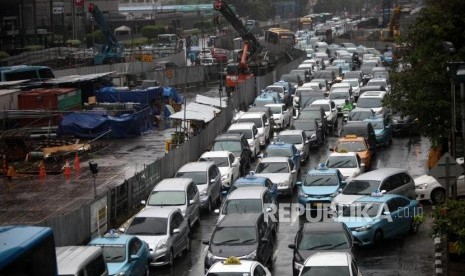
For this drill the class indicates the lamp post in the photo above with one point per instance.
(94, 169)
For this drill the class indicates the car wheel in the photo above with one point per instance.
(438, 195)
(414, 227)
(188, 244)
(378, 237)
(147, 270)
(198, 217)
(171, 258)
(210, 206)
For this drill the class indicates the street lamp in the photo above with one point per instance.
(94, 169)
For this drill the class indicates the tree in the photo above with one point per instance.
(423, 90)
(152, 31)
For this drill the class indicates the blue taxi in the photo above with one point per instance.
(383, 130)
(380, 216)
(252, 180)
(280, 148)
(319, 186)
(124, 254)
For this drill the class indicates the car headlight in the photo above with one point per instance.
(121, 273)
(252, 255)
(298, 266)
(302, 194)
(284, 183)
(394, 121)
(251, 144)
(162, 244)
(363, 228)
(313, 136)
(421, 186)
(203, 192)
(333, 195)
(224, 177)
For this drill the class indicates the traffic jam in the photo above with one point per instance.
(298, 183)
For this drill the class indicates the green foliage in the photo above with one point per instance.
(449, 219)
(152, 31)
(3, 55)
(205, 24)
(34, 47)
(423, 91)
(135, 42)
(73, 42)
(336, 6)
(98, 37)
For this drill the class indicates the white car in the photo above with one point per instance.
(238, 267)
(280, 170)
(281, 115)
(330, 112)
(355, 84)
(261, 122)
(428, 188)
(330, 263)
(250, 132)
(348, 163)
(227, 164)
(299, 139)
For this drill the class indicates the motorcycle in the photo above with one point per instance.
(345, 115)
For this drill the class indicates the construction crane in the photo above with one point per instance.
(238, 72)
(112, 50)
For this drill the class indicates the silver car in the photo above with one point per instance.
(164, 230)
(180, 193)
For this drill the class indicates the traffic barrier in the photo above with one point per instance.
(42, 172)
(77, 164)
(67, 168)
(11, 172)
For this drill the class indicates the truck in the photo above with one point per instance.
(112, 50)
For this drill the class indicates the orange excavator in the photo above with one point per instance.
(239, 71)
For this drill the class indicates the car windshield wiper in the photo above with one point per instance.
(319, 246)
(337, 245)
(114, 258)
(227, 241)
(248, 240)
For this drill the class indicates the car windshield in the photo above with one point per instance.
(325, 106)
(147, 226)
(342, 162)
(167, 198)
(323, 241)
(234, 235)
(377, 125)
(353, 83)
(257, 121)
(376, 83)
(264, 101)
(247, 132)
(325, 271)
(227, 274)
(354, 130)
(273, 167)
(199, 178)
(273, 152)
(219, 161)
(338, 95)
(361, 187)
(356, 115)
(369, 102)
(320, 180)
(350, 146)
(276, 109)
(310, 114)
(242, 206)
(304, 125)
(361, 209)
(366, 68)
(291, 139)
(232, 146)
(113, 253)
(278, 89)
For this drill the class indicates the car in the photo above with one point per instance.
(250, 132)
(379, 82)
(246, 236)
(280, 170)
(330, 263)
(79, 260)
(124, 254)
(385, 180)
(282, 115)
(164, 230)
(354, 84)
(207, 177)
(299, 138)
(249, 199)
(238, 145)
(429, 189)
(373, 100)
(180, 193)
(289, 90)
(348, 163)
(234, 266)
(313, 131)
(403, 124)
(360, 114)
(330, 111)
(313, 237)
(354, 74)
(318, 188)
(305, 74)
(373, 218)
(309, 113)
(383, 130)
(280, 148)
(252, 180)
(262, 124)
(293, 79)
(321, 85)
(276, 91)
(265, 99)
(360, 129)
(339, 96)
(328, 75)
(305, 95)
(367, 88)
(353, 143)
(227, 163)
(208, 61)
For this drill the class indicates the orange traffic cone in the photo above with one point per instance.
(42, 172)
(77, 165)
(4, 166)
(11, 172)
(67, 168)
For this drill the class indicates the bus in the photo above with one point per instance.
(27, 251)
(278, 40)
(306, 23)
(25, 72)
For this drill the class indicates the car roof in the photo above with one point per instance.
(112, 239)
(377, 198)
(356, 124)
(374, 119)
(245, 266)
(70, 257)
(247, 193)
(251, 179)
(320, 171)
(320, 101)
(156, 212)
(323, 226)
(220, 153)
(351, 138)
(354, 154)
(252, 114)
(375, 94)
(279, 145)
(274, 159)
(239, 220)
(196, 166)
(229, 136)
(291, 132)
(329, 259)
(172, 184)
(380, 174)
(244, 125)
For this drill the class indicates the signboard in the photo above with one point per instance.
(58, 8)
(98, 217)
(447, 170)
(146, 58)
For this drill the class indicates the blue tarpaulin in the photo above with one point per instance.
(93, 125)
(142, 96)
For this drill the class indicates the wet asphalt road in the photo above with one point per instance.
(407, 256)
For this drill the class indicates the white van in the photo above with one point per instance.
(81, 261)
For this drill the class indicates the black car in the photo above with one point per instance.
(315, 113)
(306, 96)
(238, 145)
(292, 78)
(361, 129)
(320, 236)
(403, 124)
(246, 236)
(313, 130)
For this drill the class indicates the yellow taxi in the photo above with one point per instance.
(352, 143)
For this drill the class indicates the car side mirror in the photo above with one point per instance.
(121, 230)
(191, 202)
(176, 231)
(267, 124)
(294, 171)
(291, 246)
(298, 183)
(356, 243)
(331, 148)
(143, 202)
(134, 258)
(206, 242)
(265, 240)
(216, 211)
(212, 181)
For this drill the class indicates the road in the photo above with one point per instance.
(406, 256)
